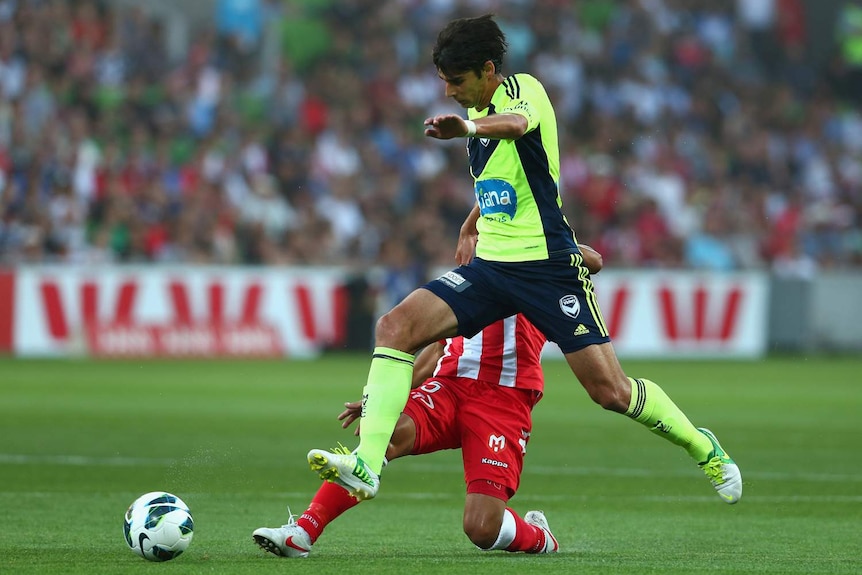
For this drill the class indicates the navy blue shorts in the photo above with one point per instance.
(556, 295)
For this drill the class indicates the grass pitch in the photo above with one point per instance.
(82, 439)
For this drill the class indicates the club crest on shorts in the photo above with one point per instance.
(570, 305)
(497, 443)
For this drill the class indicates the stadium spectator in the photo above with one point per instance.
(729, 90)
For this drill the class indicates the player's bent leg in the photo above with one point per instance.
(598, 369)
(421, 318)
(483, 518)
(491, 525)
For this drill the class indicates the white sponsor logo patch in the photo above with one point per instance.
(453, 277)
(570, 305)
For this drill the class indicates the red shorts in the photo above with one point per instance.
(490, 423)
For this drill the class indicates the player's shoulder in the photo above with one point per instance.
(521, 80)
(523, 86)
(526, 77)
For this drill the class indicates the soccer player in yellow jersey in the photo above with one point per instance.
(516, 253)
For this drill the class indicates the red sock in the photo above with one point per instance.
(528, 538)
(329, 502)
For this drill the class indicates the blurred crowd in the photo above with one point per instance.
(694, 133)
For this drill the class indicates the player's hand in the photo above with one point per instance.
(466, 248)
(592, 259)
(445, 127)
(468, 237)
(352, 412)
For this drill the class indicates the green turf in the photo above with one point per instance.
(79, 440)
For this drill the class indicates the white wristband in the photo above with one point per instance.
(471, 128)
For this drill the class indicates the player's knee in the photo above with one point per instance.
(609, 393)
(482, 533)
(389, 330)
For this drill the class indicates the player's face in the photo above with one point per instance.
(466, 88)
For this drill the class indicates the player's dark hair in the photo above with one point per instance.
(467, 43)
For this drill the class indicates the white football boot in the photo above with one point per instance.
(722, 471)
(538, 519)
(289, 540)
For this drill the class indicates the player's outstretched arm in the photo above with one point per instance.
(446, 127)
(495, 127)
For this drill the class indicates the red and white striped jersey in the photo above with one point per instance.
(507, 352)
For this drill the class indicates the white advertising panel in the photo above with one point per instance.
(297, 312)
(157, 311)
(663, 314)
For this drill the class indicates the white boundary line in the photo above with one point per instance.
(120, 461)
(294, 496)
(81, 460)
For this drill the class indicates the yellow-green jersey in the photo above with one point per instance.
(517, 181)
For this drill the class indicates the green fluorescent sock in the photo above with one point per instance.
(653, 408)
(383, 399)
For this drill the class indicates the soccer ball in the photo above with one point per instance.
(158, 526)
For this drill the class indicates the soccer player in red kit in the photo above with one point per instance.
(478, 398)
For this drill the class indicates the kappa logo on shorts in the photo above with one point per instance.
(570, 305)
(455, 281)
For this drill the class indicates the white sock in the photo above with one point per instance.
(507, 532)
